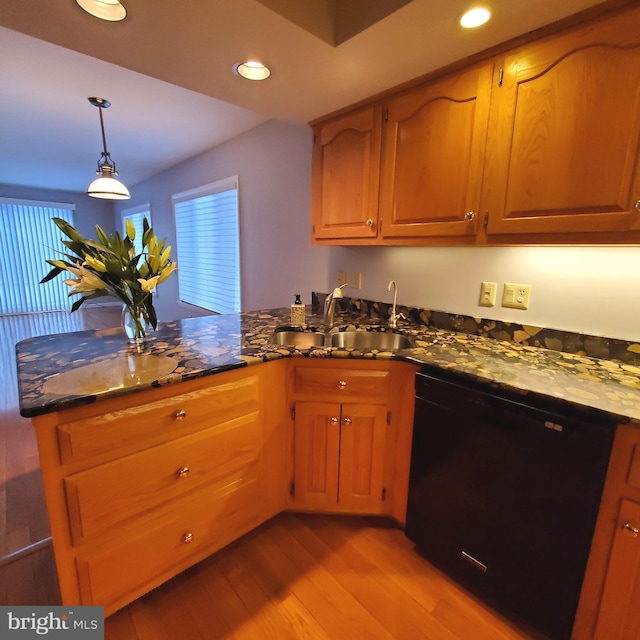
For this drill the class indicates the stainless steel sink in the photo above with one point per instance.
(383, 341)
(364, 340)
(303, 339)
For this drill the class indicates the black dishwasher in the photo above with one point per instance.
(504, 493)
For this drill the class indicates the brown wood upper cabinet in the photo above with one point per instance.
(434, 143)
(564, 137)
(540, 144)
(346, 167)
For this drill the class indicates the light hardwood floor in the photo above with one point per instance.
(296, 576)
(312, 576)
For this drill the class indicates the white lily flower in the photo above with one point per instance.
(85, 281)
(148, 285)
(166, 272)
(94, 263)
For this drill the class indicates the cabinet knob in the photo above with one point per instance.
(187, 537)
(630, 529)
(347, 420)
(470, 215)
(183, 472)
(334, 420)
(180, 415)
(637, 206)
(342, 384)
(369, 222)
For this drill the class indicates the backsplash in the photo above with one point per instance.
(555, 339)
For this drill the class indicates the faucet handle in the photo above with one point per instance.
(393, 319)
(337, 292)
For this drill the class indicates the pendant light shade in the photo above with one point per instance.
(106, 186)
(110, 10)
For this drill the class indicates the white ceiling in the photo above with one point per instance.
(167, 70)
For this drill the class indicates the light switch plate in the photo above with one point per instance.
(488, 294)
(516, 296)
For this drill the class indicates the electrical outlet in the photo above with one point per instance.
(355, 280)
(488, 294)
(516, 296)
(341, 279)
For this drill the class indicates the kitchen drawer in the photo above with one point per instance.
(133, 428)
(337, 383)
(144, 480)
(139, 559)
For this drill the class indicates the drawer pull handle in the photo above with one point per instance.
(183, 472)
(180, 415)
(629, 528)
(342, 384)
(347, 420)
(187, 537)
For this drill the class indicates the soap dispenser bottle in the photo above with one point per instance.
(297, 311)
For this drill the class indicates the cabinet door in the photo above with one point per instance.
(434, 144)
(562, 149)
(619, 614)
(316, 447)
(345, 178)
(362, 458)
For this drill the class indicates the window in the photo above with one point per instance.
(28, 238)
(207, 245)
(136, 214)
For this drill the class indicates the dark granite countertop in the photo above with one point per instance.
(66, 370)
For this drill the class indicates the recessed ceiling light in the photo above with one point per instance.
(252, 70)
(475, 17)
(110, 10)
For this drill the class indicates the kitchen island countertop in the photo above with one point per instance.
(62, 371)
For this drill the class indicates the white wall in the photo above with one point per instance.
(594, 290)
(273, 165)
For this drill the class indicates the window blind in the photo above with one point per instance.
(28, 238)
(207, 244)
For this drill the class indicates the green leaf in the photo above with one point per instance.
(52, 274)
(131, 230)
(102, 236)
(67, 229)
(78, 303)
(151, 312)
(146, 236)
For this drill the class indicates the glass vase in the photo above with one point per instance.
(135, 325)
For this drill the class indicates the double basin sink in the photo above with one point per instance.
(364, 340)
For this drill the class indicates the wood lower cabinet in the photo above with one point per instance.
(339, 457)
(351, 437)
(609, 605)
(564, 140)
(141, 487)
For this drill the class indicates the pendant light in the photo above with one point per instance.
(106, 186)
(110, 10)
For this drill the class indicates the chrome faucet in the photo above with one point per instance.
(330, 306)
(394, 317)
